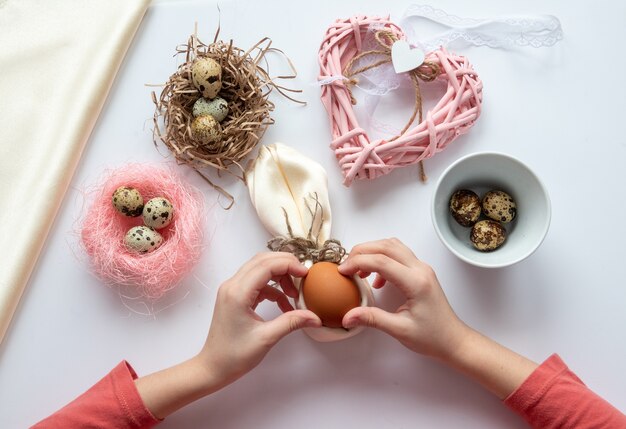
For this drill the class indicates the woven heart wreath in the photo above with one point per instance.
(361, 158)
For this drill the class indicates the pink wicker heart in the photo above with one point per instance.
(358, 156)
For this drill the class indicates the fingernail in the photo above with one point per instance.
(350, 323)
(311, 323)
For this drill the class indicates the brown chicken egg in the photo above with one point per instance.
(329, 294)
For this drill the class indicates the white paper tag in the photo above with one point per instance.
(405, 58)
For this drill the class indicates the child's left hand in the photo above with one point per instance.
(239, 338)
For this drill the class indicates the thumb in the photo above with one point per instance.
(373, 317)
(291, 321)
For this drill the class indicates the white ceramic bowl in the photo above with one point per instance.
(482, 172)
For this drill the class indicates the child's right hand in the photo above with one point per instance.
(425, 323)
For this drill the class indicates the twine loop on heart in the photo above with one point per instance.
(453, 115)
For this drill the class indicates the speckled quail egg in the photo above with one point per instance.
(465, 207)
(128, 201)
(487, 235)
(158, 213)
(206, 74)
(206, 130)
(142, 239)
(498, 205)
(218, 108)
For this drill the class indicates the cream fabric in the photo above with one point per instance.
(282, 178)
(58, 60)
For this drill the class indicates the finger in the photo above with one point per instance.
(286, 284)
(256, 277)
(363, 274)
(390, 269)
(283, 303)
(261, 259)
(391, 247)
(374, 317)
(379, 282)
(289, 322)
(272, 294)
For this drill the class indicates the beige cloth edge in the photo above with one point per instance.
(55, 157)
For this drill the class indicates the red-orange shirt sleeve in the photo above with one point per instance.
(554, 397)
(113, 402)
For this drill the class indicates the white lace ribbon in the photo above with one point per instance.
(502, 32)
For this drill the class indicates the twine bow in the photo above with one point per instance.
(307, 248)
(427, 71)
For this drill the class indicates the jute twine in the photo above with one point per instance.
(307, 248)
(246, 85)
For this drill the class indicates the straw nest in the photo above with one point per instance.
(246, 85)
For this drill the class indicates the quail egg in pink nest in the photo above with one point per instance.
(158, 213)
(142, 239)
(128, 201)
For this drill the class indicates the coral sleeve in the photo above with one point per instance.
(113, 402)
(554, 397)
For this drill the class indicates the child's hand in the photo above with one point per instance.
(425, 323)
(239, 338)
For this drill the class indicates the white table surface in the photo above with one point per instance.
(558, 109)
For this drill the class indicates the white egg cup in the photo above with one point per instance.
(325, 334)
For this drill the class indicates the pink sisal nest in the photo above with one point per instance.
(358, 156)
(103, 230)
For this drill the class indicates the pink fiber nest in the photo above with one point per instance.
(103, 230)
